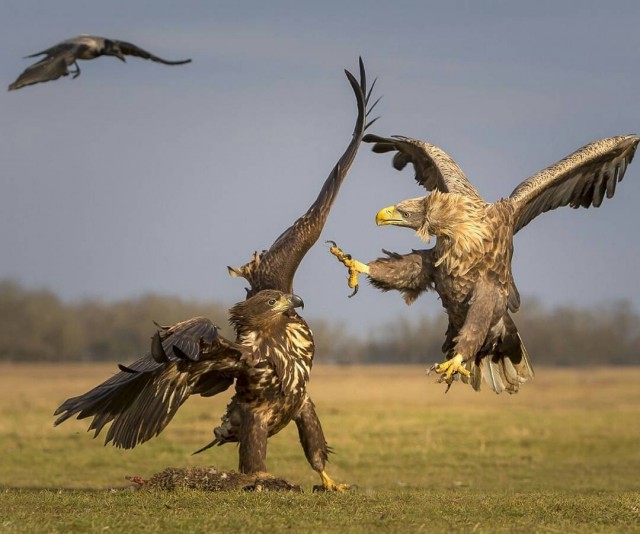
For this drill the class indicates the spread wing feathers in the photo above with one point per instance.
(69, 47)
(581, 179)
(188, 358)
(50, 68)
(434, 168)
(133, 50)
(278, 265)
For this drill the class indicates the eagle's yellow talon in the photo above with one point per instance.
(450, 367)
(355, 267)
(330, 485)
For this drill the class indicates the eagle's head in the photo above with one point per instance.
(438, 214)
(411, 213)
(264, 309)
(408, 213)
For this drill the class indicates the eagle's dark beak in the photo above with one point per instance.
(296, 302)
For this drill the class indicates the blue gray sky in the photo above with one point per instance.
(140, 178)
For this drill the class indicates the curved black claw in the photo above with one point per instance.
(348, 262)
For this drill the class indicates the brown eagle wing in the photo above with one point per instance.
(188, 358)
(434, 168)
(132, 50)
(277, 266)
(583, 178)
(411, 274)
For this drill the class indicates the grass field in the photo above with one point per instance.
(561, 456)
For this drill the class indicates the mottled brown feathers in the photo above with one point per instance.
(463, 227)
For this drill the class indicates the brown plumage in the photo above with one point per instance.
(188, 358)
(470, 263)
(66, 53)
(269, 361)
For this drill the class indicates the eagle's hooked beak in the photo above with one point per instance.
(387, 215)
(296, 302)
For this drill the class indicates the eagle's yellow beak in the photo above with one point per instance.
(387, 215)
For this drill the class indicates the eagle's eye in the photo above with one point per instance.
(403, 214)
(271, 302)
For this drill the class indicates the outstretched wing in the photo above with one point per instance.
(276, 267)
(434, 168)
(133, 50)
(188, 358)
(50, 68)
(581, 179)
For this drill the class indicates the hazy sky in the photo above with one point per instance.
(140, 177)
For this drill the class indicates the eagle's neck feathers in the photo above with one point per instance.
(286, 344)
(461, 228)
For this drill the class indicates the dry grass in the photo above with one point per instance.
(563, 454)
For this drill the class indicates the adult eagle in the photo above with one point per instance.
(470, 264)
(269, 361)
(66, 53)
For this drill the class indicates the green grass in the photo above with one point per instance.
(561, 456)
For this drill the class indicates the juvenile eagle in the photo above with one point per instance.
(269, 361)
(470, 264)
(191, 358)
(66, 53)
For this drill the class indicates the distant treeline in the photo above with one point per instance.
(35, 325)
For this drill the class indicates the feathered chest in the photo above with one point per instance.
(283, 357)
(481, 249)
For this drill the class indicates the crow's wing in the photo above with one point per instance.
(133, 50)
(583, 178)
(50, 68)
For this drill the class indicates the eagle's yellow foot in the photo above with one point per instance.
(449, 368)
(330, 485)
(355, 267)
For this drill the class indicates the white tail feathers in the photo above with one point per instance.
(503, 372)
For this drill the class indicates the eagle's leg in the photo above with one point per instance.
(76, 72)
(253, 442)
(315, 446)
(355, 267)
(472, 335)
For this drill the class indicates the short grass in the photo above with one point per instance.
(561, 456)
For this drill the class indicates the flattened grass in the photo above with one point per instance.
(562, 455)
